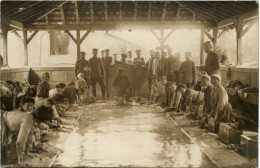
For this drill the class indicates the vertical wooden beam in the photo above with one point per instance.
(202, 61)
(78, 44)
(239, 25)
(149, 11)
(62, 15)
(105, 6)
(4, 38)
(162, 40)
(46, 20)
(91, 11)
(25, 42)
(135, 10)
(215, 38)
(178, 13)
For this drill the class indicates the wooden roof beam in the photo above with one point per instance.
(11, 22)
(91, 11)
(71, 36)
(18, 36)
(245, 16)
(46, 20)
(120, 11)
(32, 36)
(135, 10)
(84, 36)
(155, 35)
(77, 11)
(149, 11)
(62, 15)
(105, 7)
(164, 10)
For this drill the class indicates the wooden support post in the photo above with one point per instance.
(25, 42)
(149, 11)
(202, 62)
(162, 40)
(78, 44)
(4, 38)
(215, 38)
(239, 25)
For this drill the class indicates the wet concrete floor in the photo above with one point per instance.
(138, 136)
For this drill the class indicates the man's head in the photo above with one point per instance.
(45, 77)
(205, 80)
(182, 88)
(187, 55)
(27, 104)
(95, 52)
(178, 56)
(124, 56)
(115, 57)
(107, 52)
(152, 53)
(59, 98)
(60, 87)
(163, 54)
(120, 71)
(43, 113)
(207, 47)
(157, 54)
(82, 55)
(130, 54)
(169, 51)
(138, 52)
(215, 79)
(102, 53)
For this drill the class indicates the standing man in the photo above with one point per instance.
(129, 59)
(138, 59)
(107, 63)
(150, 70)
(82, 66)
(97, 73)
(212, 63)
(170, 62)
(162, 68)
(188, 72)
(155, 63)
(102, 56)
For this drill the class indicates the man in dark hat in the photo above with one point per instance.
(212, 63)
(97, 73)
(123, 58)
(129, 58)
(138, 59)
(82, 66)
(107, 63)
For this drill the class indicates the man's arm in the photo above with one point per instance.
(24, 131)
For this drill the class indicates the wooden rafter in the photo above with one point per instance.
(62, 15)
(46, 20)
(71, 36)
(32, 36)
(149, 11)
(91, 11)
(11, 22)
(84, 36)
(135, 10)
(120, 11)
(77, 11)
(164, 10)
(105, 7)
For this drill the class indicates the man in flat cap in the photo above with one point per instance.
(212, 63)
(97, 73)
(129, 58)
(188, 71)
(107, 63)
(138, 59)
(82, 66)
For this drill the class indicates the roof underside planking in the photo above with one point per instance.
(108, 15)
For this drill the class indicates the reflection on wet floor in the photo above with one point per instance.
(137, 136)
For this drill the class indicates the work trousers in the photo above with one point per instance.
(96, 80)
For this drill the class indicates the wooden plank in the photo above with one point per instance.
(149, 11)
(91, 11)
(245, 16)
(84, 36)
(71, 36)
(135, 10)
(77, 11)
(164, 10)
(11, 22)
(62, 15)
(105, 13)
(32, 36)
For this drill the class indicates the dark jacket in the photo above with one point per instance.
(79, 66)
(97, 69)
(162, 68)
(212, 63)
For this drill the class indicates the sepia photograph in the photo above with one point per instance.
(129, 83)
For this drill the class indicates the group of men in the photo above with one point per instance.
(96, 69)
(174, 84)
